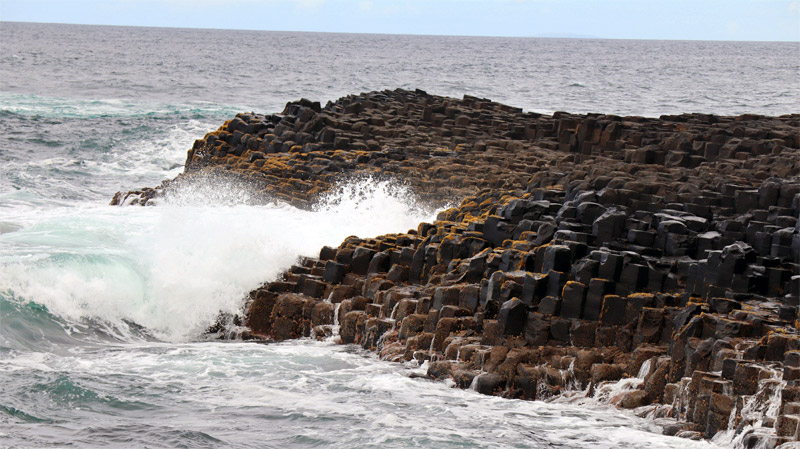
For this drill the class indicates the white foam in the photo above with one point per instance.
(174, 267)
(160, 155)
(314, 388)
(93, 174)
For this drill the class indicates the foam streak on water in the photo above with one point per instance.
(299, 394)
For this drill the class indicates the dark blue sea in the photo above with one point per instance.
(103, 309)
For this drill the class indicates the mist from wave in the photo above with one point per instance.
(173, 268)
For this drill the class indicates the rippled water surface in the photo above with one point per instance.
(263, 70)
(102, 308)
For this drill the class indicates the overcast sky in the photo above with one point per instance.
(769, 20)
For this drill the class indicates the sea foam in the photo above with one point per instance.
(174, 267)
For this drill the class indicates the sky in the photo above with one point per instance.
(748, 20)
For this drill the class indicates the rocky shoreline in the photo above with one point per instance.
(653, 262)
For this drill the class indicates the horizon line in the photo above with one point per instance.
(543, 36)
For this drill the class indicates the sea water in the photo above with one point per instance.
(103, 309)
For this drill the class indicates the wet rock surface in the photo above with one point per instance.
(652, 263)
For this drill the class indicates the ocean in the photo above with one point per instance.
(103, 309)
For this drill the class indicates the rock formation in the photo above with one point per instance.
(586, 249)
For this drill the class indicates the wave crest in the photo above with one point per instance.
(173, 268)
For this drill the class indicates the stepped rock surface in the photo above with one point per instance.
(651, 262)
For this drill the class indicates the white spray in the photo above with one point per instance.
(172, 268)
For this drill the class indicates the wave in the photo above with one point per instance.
(30, 326)
(20, 415)
(31, 105)
(121, 153)
(173, 268)
(303, 392)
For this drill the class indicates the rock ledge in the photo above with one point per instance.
(586, 249)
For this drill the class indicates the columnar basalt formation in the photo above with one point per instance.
(586, 249)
